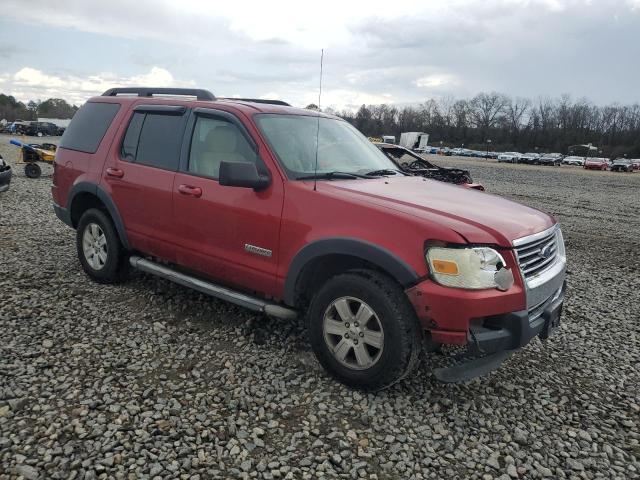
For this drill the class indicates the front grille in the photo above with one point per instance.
(538, 254)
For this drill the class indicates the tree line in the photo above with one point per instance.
(12, 109)
(495, 121)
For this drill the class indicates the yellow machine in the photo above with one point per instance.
(32, 153)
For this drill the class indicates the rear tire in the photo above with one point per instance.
(363, 330)
(100, 251)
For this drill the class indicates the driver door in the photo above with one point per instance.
(227, 233)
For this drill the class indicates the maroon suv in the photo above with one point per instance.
(292, 212)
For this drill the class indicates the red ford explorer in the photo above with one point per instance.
(291, 213)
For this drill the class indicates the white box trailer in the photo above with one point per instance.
(414, 140)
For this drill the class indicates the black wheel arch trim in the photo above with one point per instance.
(105, 198)
(372, 253)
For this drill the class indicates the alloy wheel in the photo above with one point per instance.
(353, 332)
(94, 246)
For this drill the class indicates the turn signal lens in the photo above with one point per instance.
(445, 267)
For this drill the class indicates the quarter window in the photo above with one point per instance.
(217, 140)
(88, 126)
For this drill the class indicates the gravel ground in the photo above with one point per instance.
(151, 380)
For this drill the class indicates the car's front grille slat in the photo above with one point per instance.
(531, 259)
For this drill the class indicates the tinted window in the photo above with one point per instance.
(88, 126)
(153, 139)
(159, 143)
(130, 142)
(216, 140)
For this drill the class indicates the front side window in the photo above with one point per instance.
(153, 139)
(217, 140)
(340, 147)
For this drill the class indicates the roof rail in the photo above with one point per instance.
(199, 93)
(258, 100)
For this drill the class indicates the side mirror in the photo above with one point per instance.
(242, 174)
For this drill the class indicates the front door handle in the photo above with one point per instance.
(115, 172)
(190, 191)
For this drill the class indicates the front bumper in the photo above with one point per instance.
(514, 330)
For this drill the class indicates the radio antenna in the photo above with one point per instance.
(315, 170)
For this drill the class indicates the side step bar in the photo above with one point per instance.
(223, 293)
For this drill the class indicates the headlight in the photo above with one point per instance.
(473, 268)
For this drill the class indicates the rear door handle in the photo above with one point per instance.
(190, 191)
(115, 172)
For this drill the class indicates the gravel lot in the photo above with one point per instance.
(151, 380)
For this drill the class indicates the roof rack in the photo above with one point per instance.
(258, 100)
(199, 93)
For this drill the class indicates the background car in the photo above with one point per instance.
(597, 163)
(414, 164)
(622, 165)
(573, 160)
(529, 157)
(636, 163)
(41, 129)
(553, 159)
(509, 157)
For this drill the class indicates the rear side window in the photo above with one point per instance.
(154, 139)
(88, 126)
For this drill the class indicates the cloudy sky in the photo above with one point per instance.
(391, 51)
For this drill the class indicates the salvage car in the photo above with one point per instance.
(622, 165)
(412, 163)
(5, 175)
(294, 213)
(596, 163)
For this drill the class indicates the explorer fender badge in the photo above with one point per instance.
(257, 250)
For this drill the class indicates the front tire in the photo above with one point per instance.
(100, 251)
(363, 330)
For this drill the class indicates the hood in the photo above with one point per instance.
(479, 217)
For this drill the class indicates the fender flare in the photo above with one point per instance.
(372, 253)
(105, 198)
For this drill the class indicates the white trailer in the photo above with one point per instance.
(414, 140)
(388, 139)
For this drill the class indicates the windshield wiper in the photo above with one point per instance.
(330, 175)
(384, 171)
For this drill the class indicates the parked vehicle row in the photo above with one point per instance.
(36, 129)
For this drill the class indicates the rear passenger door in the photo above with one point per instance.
(139, 176)
(228, 233)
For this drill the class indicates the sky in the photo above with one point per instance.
(399, 51)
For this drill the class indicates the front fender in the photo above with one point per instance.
(381, 257)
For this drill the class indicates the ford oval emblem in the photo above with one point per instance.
(545, 252)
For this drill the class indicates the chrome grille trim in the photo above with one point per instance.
(528, 250)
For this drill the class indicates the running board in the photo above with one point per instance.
(238, 298)
(472, 368)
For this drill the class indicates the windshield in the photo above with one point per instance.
(340, 146)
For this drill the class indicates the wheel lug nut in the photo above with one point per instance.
(355, 341)
(346, 324)
(361, 334)
(355, 324)
(346, 335)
